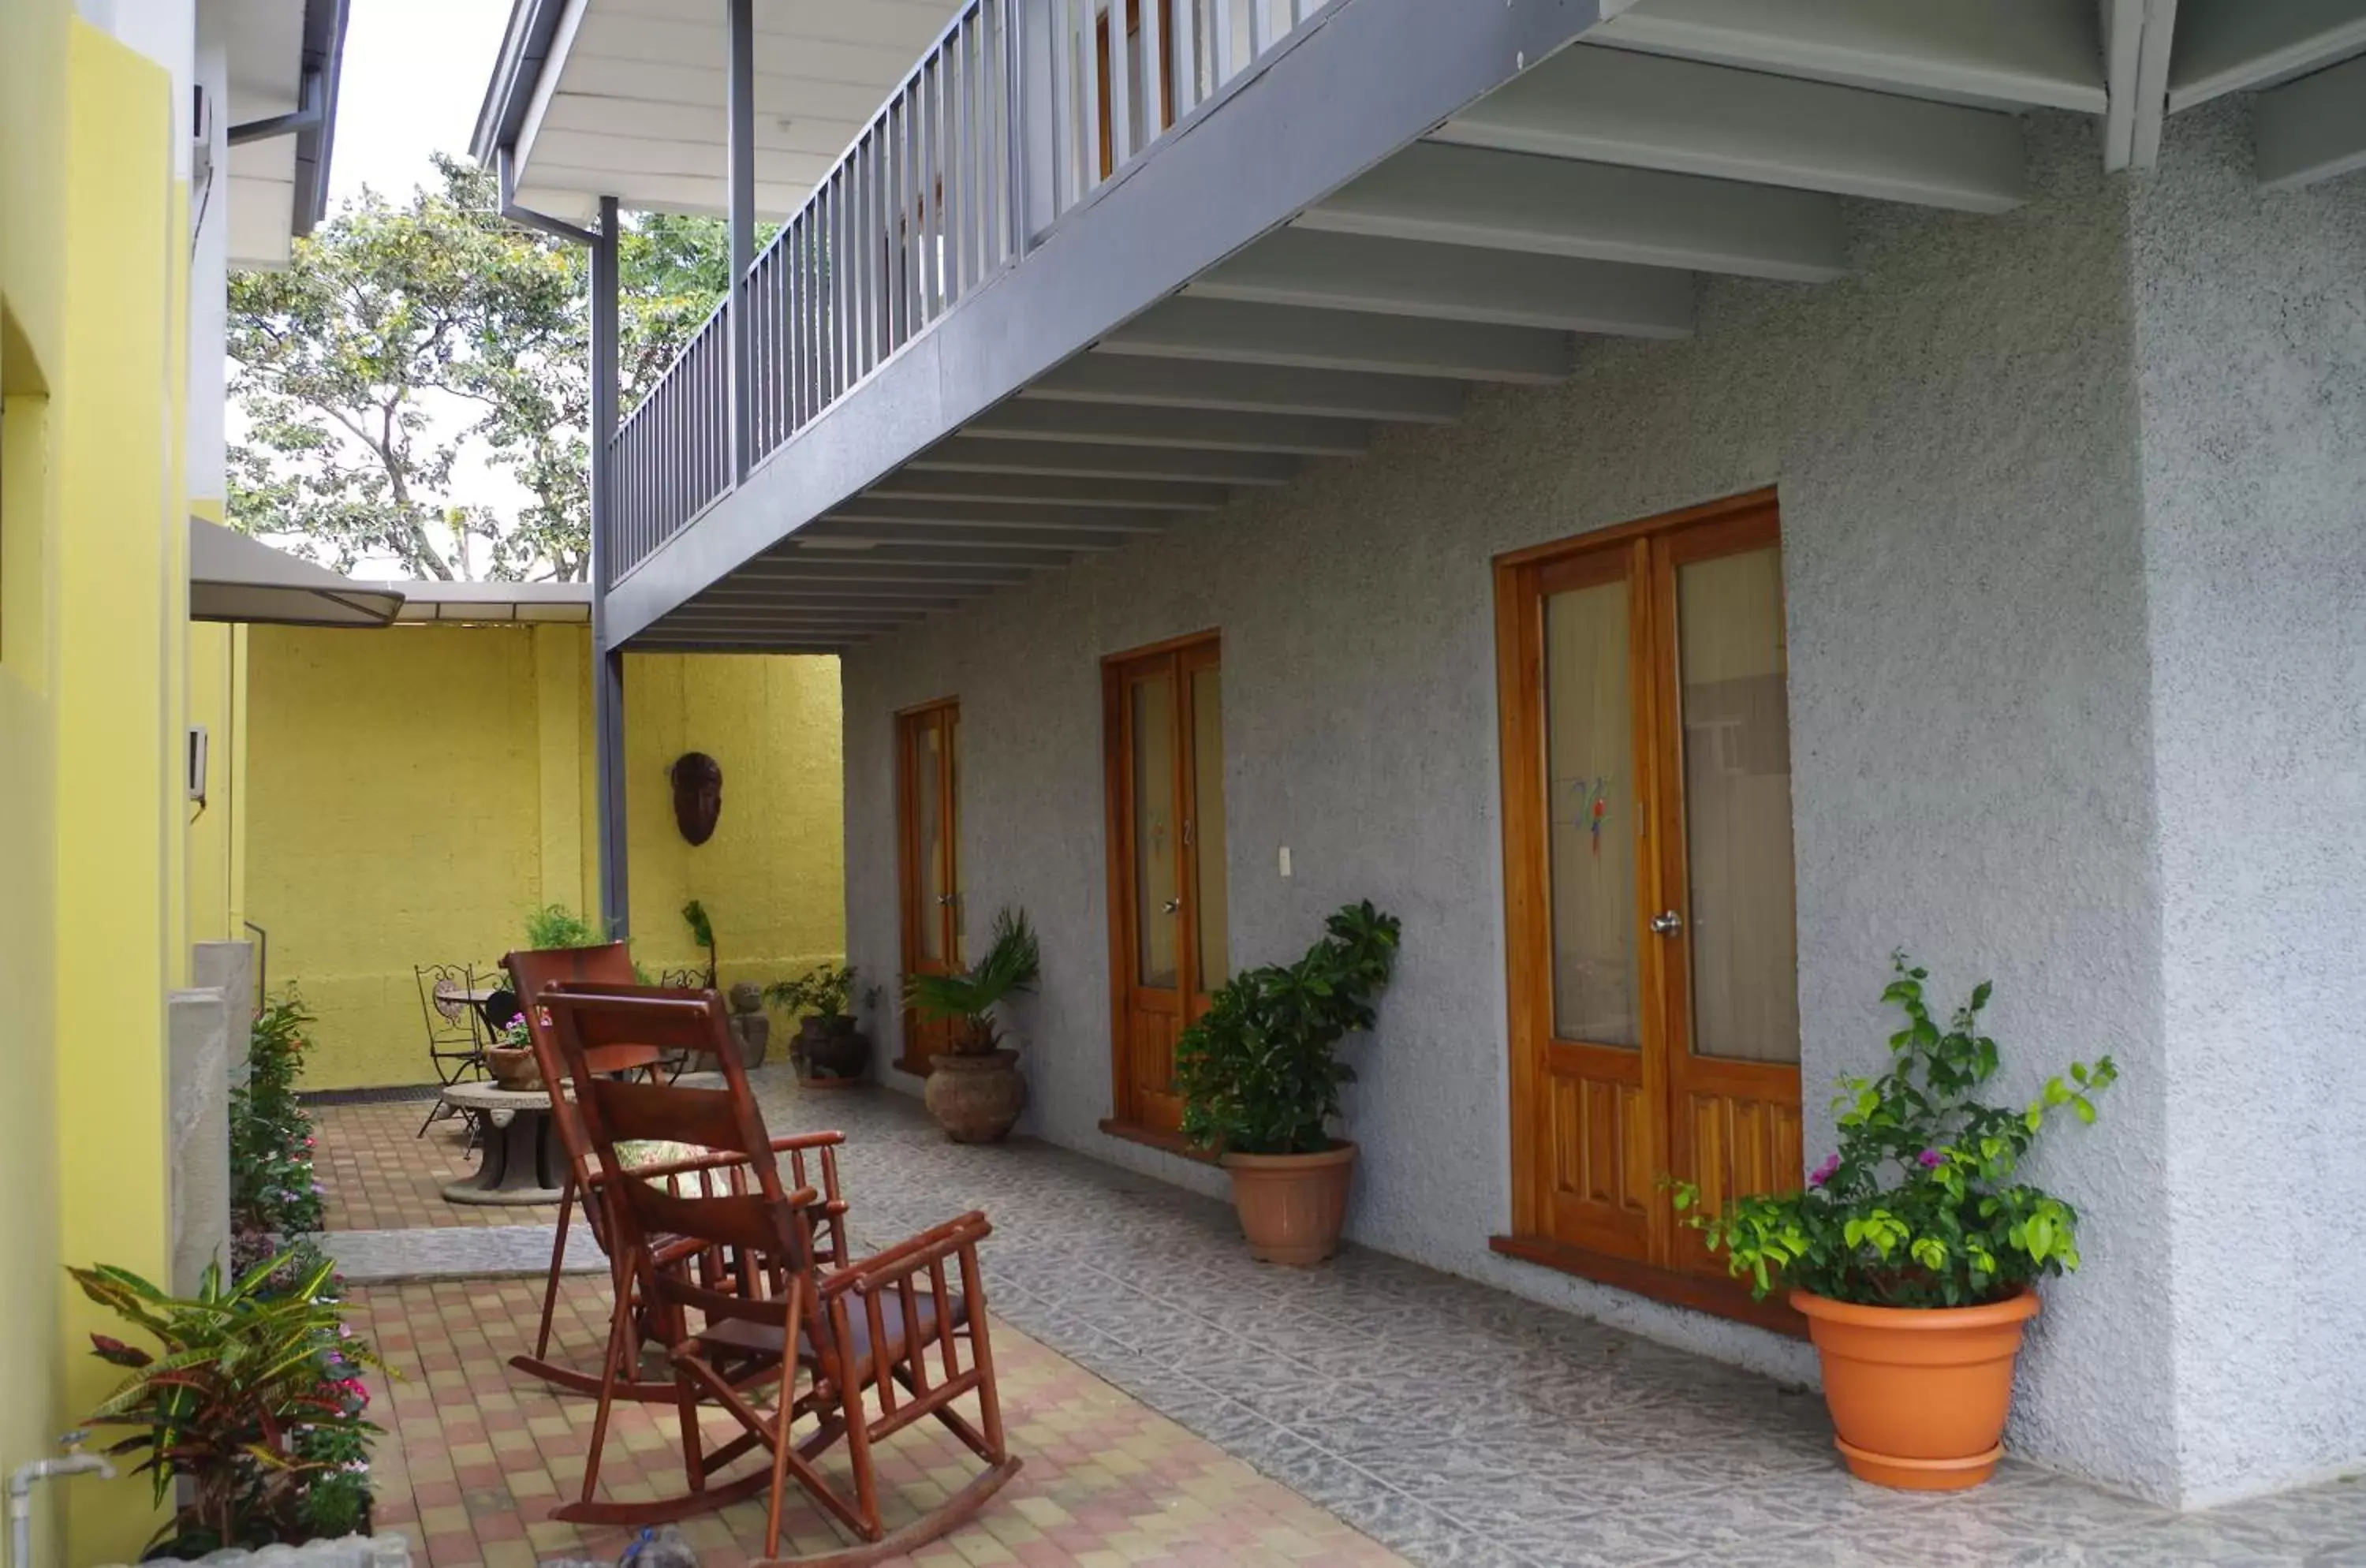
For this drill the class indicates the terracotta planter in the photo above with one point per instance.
(1291, 1206)
(511, 1067)
(977, 1099)
(831, 1053)
(1918, 1397)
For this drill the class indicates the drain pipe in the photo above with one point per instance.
(20, 1491)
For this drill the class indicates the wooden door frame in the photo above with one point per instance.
(1124, 1118)
(1526, 838)
(908, 913)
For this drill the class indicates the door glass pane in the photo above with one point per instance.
(1590, 771)
(1737, 730)
(928, 836)
(1157, 896)
(1208, 824)
(956, 908)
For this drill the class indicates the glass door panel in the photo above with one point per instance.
(928, 834)
(1737, 763)
(1591, 794)
(1157, 885)
(927, 871)
(1211, 963)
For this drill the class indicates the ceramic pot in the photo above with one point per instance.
(1919, 1396)
(513, 1067)
(977, 1099)
(1291, 1206)
(831, 1053)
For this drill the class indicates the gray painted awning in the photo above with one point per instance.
(233, 578)
(478, 602)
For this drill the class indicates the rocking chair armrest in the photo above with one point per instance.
(796, 1142)
(909, 1256)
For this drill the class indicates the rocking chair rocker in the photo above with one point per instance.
(886, 1332)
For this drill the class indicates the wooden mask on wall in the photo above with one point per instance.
(697, 795)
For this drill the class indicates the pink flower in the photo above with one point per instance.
(1825, 1171)
(1930, 1160)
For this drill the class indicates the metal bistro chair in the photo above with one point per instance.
(456, 1040)
(861, 1351)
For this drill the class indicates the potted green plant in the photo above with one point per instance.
(1912, 1250)
(556, 925)
(252, 1397)
(1259, 1074)
(702, 931)
(830, 1050)
(975, 1090)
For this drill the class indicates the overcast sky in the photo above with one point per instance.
(415, 74)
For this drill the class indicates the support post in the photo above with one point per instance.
(739, 179)
(607, 663)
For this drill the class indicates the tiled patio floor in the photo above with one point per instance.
(1455, 1424)
(382, 1174)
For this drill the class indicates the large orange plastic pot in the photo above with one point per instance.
(1292, 1207)
(1919, 1396)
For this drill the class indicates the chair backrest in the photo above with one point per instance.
(768, 1221)
(535, 970)
(443, 1003)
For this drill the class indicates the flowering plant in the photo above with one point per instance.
(253, 1396)
(273, 1196)
(1919, 1206)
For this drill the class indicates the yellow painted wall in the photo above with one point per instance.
(217, 687)
(410, 793)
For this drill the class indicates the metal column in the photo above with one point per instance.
(607, 664)
(740, 181)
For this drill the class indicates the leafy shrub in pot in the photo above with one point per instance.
(1914, 1249)
(1260, 1075)
(974, 1090)
(830, 1048)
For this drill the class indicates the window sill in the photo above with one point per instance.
(1150, 1138)
(1718, 1298)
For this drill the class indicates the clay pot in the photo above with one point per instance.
(1291, 1206)
(831, 1053)
(1919, 1396)
(513, 1067)
(977, 1099)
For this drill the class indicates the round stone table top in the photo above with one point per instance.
(492, 1096)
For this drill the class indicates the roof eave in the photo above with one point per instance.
(525, 49)
(323, 59)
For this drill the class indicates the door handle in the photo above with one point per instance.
(1171, 906)
(1668, 924)
(945, 900)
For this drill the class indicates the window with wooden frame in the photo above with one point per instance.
(928, 797)
(1164, 763)
(1649, 903)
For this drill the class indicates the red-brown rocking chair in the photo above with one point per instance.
(609, 969)
(886, 1332)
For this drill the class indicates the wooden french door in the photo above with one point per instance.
(928, 776)
(1648, 879)
(1164, 726)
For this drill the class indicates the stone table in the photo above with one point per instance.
(519, 1164)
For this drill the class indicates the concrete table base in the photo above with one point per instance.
(518, 1164)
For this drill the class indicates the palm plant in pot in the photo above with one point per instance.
(975, 1090)
(1914, 1251)
(830, 1051)
(1259, 1074)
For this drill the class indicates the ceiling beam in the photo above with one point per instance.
(969, 454)
(655, 640)
(1000, 514)
(1513, 201)
(2035, 53)
(1050, 490)
(1617, 107)
(732, 591)
(2312, 129)
(1216, 430)
(1455, 283)
(833, 527)
(810, 567)
(1344, 340)
(1248, 389)
(2229, 46)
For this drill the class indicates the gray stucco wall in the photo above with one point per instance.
(1955, 430)
(2250, 314)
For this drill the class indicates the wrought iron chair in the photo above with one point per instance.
(587, 970)
(877, 1344)
(456, 1040)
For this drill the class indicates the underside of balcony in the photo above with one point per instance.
(1393, 203)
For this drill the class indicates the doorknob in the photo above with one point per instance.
(945, 900)
(1172, 905)
(1668, 924)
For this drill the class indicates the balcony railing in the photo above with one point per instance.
(1021, 110)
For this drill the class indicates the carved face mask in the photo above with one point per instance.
(697, 795)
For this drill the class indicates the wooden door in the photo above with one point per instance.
(1164, 714)
(1651, 914)
(928, 743)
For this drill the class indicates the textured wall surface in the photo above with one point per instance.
(1953, 432)
(413, 793)
(2250, 316)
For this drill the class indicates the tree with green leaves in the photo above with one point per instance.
(406, 345)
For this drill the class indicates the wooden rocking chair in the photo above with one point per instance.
(886, 1332)
(609, 970)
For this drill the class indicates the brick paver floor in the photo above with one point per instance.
(475, 1455)
(382, 1175)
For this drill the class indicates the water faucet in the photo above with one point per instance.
(71, 1462)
